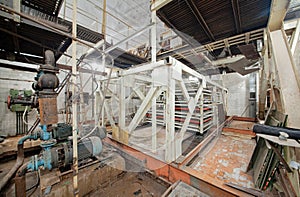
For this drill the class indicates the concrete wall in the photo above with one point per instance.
(8, 81)
(21, 80)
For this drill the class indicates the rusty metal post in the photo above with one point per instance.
(20, 186)
(74, 103)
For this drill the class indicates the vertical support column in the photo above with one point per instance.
(74, 104)
(104, 19)
(17, 8)
(103, 67)
(263, 85)
(295, 37)
(153, 36)
(103, 108)
(153, 59)
(122, 104)
(201, 110)
(97, 105)
(170, 118)
(215, 101)
(154, 127)
(122, 113)
(290, 92)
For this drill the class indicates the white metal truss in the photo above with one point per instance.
(166, 93)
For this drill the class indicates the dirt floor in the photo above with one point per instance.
(113, 176)
(132, 184)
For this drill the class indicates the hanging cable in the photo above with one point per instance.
(24, 113)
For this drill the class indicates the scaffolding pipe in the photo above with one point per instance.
(104, 19)
(74, 103)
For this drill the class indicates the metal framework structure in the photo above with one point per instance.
(166, 93)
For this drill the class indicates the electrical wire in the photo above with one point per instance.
(24, 113)
(34, 186)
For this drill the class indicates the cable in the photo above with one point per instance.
(85, 136)
(24, 115)
(36, 184)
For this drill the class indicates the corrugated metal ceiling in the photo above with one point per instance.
(50, 7)
(210, 20)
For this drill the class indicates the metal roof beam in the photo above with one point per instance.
(200, 19)
(278, 11)
(237, 16)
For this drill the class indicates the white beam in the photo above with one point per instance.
(19, 64)
(190, 113)
(227, 60)
(278, 12)
(187, 69)
(143, 78)
(154, 127)
(145, 106)
(290, 91)
(139, 94)
(170, 153)
(295, 37)
(157, 4)
(142, 68)
(184, 91)
(291, 24)
(111, 120)
(122, 107)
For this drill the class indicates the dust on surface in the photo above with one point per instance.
(228, 160)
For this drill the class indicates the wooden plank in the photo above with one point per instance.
(244, 119)
(240, 131)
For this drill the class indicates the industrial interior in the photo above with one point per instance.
(149, 98)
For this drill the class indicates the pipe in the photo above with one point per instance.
(20, 160)
(275, 131)
(26, 137)
(20, 186)
(49, 58)
(74, 103)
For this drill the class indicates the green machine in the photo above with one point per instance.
(16, 102)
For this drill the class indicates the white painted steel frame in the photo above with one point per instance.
(147, 82)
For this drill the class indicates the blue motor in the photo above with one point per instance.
(62, 154)
(53, 156)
